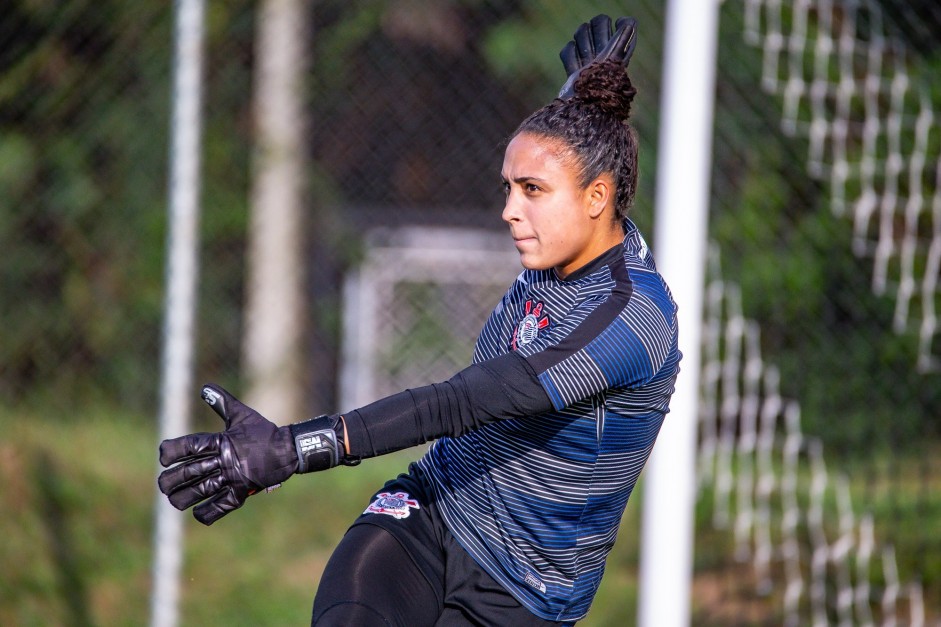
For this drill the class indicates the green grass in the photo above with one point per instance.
(899, 490)
(77, 502)
(76, 514)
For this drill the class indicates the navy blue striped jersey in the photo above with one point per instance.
(537, 500)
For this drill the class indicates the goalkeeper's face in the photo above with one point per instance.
(555, 222)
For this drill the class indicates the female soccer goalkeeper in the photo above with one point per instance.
(509, 516)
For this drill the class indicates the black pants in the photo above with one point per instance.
(398, 565)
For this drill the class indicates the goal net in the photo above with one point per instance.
(848, 84)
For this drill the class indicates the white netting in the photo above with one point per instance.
(791, 517)
(850, 86)
(415, 305)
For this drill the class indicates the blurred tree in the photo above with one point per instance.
(84, 101)
(275, 307)
(81, 193)
(411, 103)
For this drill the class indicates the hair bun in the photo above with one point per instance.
(607, 86)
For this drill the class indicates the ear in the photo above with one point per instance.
(600, 194)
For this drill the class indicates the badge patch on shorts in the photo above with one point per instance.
(395, 504)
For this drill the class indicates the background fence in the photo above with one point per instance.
(820, 486)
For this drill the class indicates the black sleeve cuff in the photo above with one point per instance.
(319, 444)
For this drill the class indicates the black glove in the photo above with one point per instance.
(594, 42)
(252, 454)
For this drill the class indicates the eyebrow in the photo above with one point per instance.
(524, 179)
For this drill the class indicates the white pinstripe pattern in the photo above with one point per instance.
(539, 499)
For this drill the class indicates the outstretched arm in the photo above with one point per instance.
(217, 472)
(504, 387)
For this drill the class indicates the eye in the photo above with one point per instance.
(532, 188)
(506, 188)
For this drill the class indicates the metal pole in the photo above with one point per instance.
(180, 301)
(683, 176)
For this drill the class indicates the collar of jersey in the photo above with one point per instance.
(612, 254)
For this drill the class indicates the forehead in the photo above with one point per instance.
(528, 150)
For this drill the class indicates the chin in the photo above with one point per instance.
(533, 265)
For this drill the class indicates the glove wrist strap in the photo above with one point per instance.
(319, 444)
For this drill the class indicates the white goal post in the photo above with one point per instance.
(682, 197)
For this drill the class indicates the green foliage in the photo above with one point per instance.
(85, 95)
(524, 50)
(821, 324)
(73, 198)
(84, 118)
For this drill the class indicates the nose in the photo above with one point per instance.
(511, 212)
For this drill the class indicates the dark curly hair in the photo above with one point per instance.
(592, 128)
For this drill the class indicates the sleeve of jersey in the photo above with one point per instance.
(623, 342)
(499, 388)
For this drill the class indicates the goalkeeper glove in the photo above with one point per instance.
(593, 43)
(221, 470)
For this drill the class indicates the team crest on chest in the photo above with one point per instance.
(397, 504)
(528, 328)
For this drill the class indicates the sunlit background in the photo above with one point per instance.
(819, 457)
